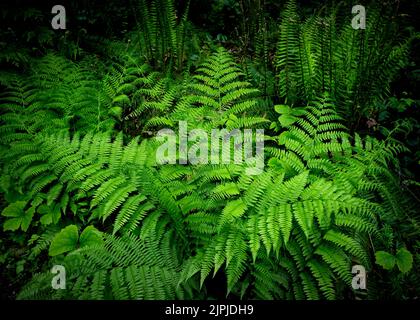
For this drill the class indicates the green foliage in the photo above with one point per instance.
(81, 187)
(164, 35)
(403, 259)
(121, 268)
(56, 94)
(305, 219)
(68, 238)
(64, 241)
(219, 97)
(18, 218)
(324, 53)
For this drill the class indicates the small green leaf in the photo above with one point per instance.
(273, 125)
(385, 259)
(12, 224)
(46, 218)
(20, 218)
(14, 209)
(26, 219)
(64, 241)
(49, 215)
(298, 111)
(287, 120)
(282, 109)
(90, 236)
(404, 260)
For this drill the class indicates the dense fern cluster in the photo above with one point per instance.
(78, 153)
(322, 54)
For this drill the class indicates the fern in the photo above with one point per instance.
(219, 96)
(324, 53)
(307, 216)
(78, 150)
(121, 268)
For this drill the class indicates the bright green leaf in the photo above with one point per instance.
(14, 209)
(287, 120)
(282, 109)
(90, 236)
(12, 224)
(26, 219)
(64, 241)
(385, 259)
(404, 260)
(20, 217)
